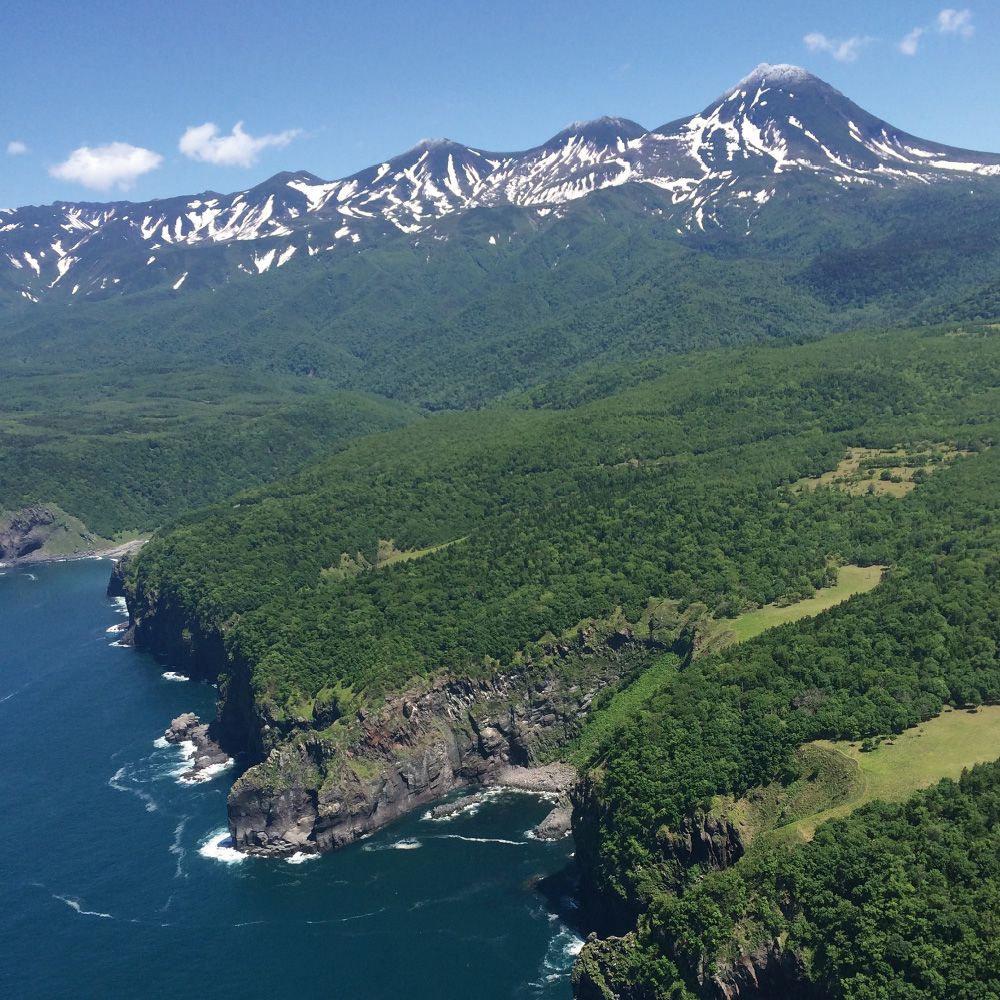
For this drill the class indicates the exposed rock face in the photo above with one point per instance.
(205, 756)
(558, 823)
(25, 532)
(418, 747)
(598, 973)
(703, 839)
(116, 582)
(770, 972)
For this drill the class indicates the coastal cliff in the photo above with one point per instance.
(319, 791)
(326, 779)
(605, 971)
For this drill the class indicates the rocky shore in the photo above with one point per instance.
(45, 533)
(205, 758)
(547, 780)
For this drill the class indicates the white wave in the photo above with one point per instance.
(300, 857)
(187, 749)
(219, 847)
(170, 675)
(531, 835)
(116, 782)
(481, 798)
(560, 955)
(120, 606)
(15, 693)
(475, 803)
(345, 920)
(118, 644)
(31, 576)
(120, 627)
(177, 848)
(161, 742)
(206, 773)
(75, 904)
(408, 844)
(481, 840)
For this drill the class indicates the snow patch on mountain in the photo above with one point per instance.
(732, 157)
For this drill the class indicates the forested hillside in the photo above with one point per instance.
(128, 450)
(128, 410)
(666, 489)
(455, 320)
(465, 545)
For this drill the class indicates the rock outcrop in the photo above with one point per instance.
(204, 756)
(558, 823)
(25, 532)
(769, 972)
(705, 839)
(318, 792)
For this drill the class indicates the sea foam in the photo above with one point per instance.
(219, 847)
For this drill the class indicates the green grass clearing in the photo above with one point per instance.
(893, 472)
(916, 759)
(851, 580)
(627, 702)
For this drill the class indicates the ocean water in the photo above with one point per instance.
(115, 879)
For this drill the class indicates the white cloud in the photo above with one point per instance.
(103, 167)
(956, 22)
(909, 43)
(16, 148)
(238, 149)
(842, 49)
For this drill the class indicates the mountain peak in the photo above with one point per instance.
(779, 73)
(426, 145)
(605, 130)
(718, 167)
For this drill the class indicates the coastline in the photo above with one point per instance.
(108, 552)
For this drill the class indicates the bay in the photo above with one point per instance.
(113, 883)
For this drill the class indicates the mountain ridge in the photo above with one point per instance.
(715, 169)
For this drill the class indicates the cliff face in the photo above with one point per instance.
(26, 531)
(605, 971)
(319, 788)
(703, 839)
(769, 972)
(160, 625)
(320, 791)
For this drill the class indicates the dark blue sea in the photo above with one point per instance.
(113, 882)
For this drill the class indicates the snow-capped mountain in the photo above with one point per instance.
(716, 168)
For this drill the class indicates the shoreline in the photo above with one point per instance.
(112, 552)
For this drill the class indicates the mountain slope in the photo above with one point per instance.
(719, 167)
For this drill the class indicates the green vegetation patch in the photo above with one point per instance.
(709, 635)
(128, 452)
(940, 748)
(850, 580)
(893, 472)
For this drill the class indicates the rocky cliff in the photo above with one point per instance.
(604, 971)
(318, 791)
(25, 532)
(322, 782)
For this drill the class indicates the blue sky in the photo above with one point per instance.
(139, 98)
